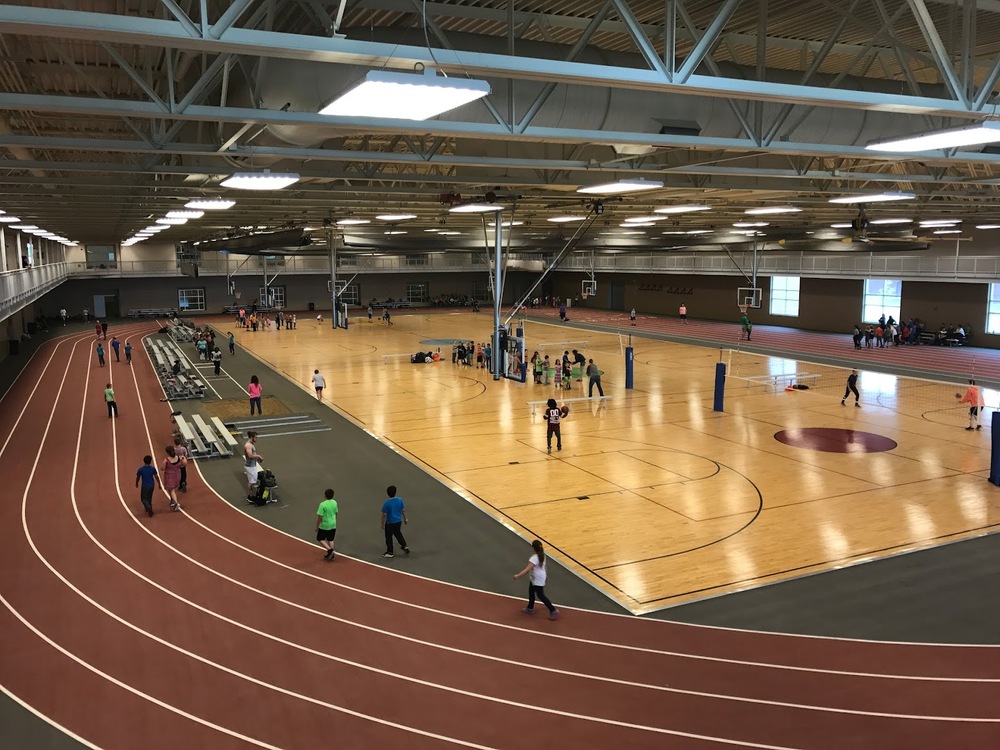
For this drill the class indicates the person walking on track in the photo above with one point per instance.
(319, 383)
(172, 466)
(537, 575)
(97, 328)
(149, 478)
(852, 386)
(631, 316)
(594, 373)
(100, 354)
(393, 518)
(553, 414)
(326, 524)
(128, 353)
(109, 398)
(254, 390)
(116, 345)
(182, 452)
(104, 329)
(62, 315)
(683, 312)
(232, 343)
(217, 360)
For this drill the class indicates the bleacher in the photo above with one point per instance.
(205, 440)
(152, 312)
(163, 353)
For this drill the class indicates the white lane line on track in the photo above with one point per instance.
(666, 623)
(310, 545)
(31, 542)
(451, 649)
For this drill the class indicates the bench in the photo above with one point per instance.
(782, 378)
(209, 434)
(152, 312)
(195, 445)
(534, 404)
(224, 432)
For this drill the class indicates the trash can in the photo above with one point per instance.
(312, 307)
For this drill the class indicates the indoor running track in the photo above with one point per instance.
(208, 629)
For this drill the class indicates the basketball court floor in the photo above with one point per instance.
(656, 499)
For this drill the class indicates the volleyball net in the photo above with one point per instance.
(748, 373)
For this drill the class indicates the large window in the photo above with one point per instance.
(785, 295)
(993, 310)
(349, 295)
(417, 293)
(274, 296)
(189, 300)
(882, 297)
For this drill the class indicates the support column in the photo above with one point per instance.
(497, 355)
(3, 250)
(331, 240)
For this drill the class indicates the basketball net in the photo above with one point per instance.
(743, 309)
(237, 294)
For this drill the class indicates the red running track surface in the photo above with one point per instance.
(207, 629)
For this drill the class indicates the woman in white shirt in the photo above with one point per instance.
(537, 574)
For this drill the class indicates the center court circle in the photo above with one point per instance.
(835, 440)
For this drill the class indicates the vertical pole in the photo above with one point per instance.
(263, 260)
(3, 251)
(497, 356)
(331, 239)
(629, 361)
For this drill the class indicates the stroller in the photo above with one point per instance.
(264, 490)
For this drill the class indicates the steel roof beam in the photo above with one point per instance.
(155, 32)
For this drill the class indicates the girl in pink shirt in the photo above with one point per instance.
(254, 390)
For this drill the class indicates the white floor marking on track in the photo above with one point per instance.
(141, 632)
(470, 618)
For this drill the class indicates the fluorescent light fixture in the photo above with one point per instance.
(398, 231)
(446, 233)
(265, 180)
(395, 217)
(621, 186)
(634, 231)
(889, 195)
(185, 214)
(155, 228)
(171, 222)
(765, 210)
(645, 219)
(36, 231)
(842, 225)
(434, 230)
(698, 231)
(745, 224)
(630, 224)
(406, 96)
(891, 221)
(681, 209)
(24, 227)
(9, 219)
(507, 223)
(566, 219)
(948, 231)
(940, 222)
(475, 208)
(987, 226)
(210, 204)
(352, 222)
(972, 135)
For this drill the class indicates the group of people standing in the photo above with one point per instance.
(263, 321)
(564, 370)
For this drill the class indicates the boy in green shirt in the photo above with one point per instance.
(109, 397)
(326, 523)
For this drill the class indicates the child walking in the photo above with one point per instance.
(326, 524)
(536, 572)
(172, 466)
(149, 477)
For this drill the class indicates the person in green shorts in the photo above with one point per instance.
(326, 523)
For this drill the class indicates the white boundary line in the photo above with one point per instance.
(666, 623)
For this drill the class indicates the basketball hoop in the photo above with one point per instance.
(237, 294)
(743, 309)
(584, 295)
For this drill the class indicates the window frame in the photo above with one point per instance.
(199, 293)
(781, 296)
(882, 307)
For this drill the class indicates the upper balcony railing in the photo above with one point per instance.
(20, 288)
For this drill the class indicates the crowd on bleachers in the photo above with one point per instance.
(913, 332)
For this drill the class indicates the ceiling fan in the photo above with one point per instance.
(861, 226)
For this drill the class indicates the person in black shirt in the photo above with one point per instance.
(852, 385)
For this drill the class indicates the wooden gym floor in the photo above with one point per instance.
(655, 498)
